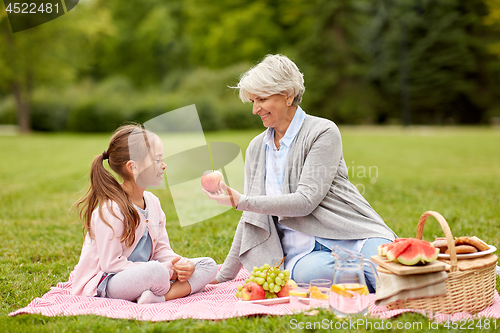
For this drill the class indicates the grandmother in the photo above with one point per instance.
(298, 201)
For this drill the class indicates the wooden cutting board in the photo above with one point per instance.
(400, 269)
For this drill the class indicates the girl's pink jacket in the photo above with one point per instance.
(107, 254)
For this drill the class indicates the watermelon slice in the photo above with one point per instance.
(382, 249)
(418, 251)
(428, 252)
(394, 252)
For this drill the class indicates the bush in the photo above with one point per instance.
(237, 115)
(96, 116)
(8, 113)
(210, 119)
(104, 106)
(49, 112)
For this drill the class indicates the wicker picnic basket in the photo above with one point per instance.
(470, 286)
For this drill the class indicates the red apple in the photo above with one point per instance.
(284, 292)
(211, 180)
(252, 291)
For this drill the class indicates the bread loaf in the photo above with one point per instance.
(463, 245)
(463, 249)
(473, 241)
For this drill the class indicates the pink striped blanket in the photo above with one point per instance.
(216, 302)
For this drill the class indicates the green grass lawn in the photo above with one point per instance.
(401, 172)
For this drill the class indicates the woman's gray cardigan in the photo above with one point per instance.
(318, 199)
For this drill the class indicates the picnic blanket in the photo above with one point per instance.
(216, 302)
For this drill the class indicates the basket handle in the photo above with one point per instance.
(447, 232)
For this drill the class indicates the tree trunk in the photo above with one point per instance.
(23, 107)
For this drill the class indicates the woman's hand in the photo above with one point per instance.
(183, 269)
(225, 196)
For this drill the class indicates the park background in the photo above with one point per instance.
(412, 84)
(364, 61)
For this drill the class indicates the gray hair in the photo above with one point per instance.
(276, 74)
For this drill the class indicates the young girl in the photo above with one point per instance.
(126, 253)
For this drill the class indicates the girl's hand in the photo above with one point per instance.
(174, 261)
(225, 196)
(183, 270)
(214, 282)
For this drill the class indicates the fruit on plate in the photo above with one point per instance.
(419, 251)
(409, 251)
(271, 279)
(211, 179)
(252, 291)
(382, 249)
(291, 284)
(285, 290)
(394, 252)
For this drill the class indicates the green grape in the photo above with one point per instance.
(271, 278)
(239, 288)
(238, 294)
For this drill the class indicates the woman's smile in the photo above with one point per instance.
(265, 115)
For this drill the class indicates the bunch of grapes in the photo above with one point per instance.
(271, 278)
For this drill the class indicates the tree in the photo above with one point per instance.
(493, 20)
(440, 45)
(49, 53)
(226, 32)
(145, 44)
(334, 63)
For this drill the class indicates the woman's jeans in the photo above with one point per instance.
(319, 264)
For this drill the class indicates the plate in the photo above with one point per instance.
(469, 255)
(269, 301)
